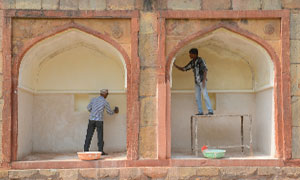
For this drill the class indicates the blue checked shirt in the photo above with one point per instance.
(96, 108)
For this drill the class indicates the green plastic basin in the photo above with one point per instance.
(214, 153)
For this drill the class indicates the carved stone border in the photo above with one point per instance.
(11, 71)
(282, 98)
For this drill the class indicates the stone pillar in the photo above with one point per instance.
(295, 81)
(148, 80)
(1, 79)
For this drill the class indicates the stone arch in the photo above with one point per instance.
(18, 59)
(231, 28)
(254, 38)
(27, 47)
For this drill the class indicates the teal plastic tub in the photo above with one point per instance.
(214, 153)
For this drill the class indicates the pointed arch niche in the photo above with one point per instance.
(57, 78)
(240, 81)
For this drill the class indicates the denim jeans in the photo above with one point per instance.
(198, 90)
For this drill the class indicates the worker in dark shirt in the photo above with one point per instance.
(200, 72)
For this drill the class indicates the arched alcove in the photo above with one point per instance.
(240, 81)
(57, 78)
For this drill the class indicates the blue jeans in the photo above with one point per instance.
(198, 90)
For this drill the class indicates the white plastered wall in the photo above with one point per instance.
(66, 127)
(240, 74)
(264, 122)
(67, 44)
(25, 129)
(60, 75)
(228, 56)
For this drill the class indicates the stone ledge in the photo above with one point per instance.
(156, 173)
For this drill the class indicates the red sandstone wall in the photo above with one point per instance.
(149, 44)
(175, 173)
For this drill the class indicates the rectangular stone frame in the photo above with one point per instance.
(9, 114)
(283, 117)
(163, 116)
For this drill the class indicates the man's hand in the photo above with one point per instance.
(178, 67)
(116, 110)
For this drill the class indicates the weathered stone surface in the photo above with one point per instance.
(295, 145)
(120, 5)
(108, 173)
(271, 4)
(267, 29)
(25, 4)
(68, 174)
(148, 39)
(1, 132)
(1, 37)
(148, 111)
(147, 142)
(50, 4)
(295, 26)
(9, 4)
(295, 110)
(139, 4)
(268, 171)
(186, 172)
(292, 172)
(216, 5)
(173, 173)
(48, 172)
(295, 76)
(3, 174)
(148, 23)
(118, 29)
(147, 82)
(209, 178)
(150, 5)
(294, 50)
(88, 173)
(145, 173)
(130, 173)
(184, 4)
(1, 83)
(246, 5)
(148, 49)
(208, 171)
(155, 172)
(162, 5)
(238, 171)
(1, 109)
(182, 173)
(68, 4)
(19, 174)
(291, 4)
(92, 5)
